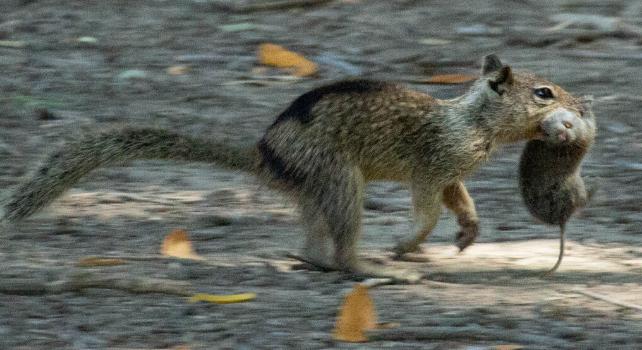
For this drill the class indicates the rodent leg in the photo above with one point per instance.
(457, 200)
(426, 201)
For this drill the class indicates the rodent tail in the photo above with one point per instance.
(561, 252)
(76, 158)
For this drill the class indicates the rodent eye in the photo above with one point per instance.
(543, 93)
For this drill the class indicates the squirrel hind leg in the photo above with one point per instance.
(340, 203)
(317, 240)
(338, 199)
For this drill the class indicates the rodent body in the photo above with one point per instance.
(552, 192)
(331, 141)
(549, 170)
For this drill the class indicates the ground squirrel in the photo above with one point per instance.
(549, 169)
(331, 141)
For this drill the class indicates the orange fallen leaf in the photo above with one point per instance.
(178, 245)
(450, 79)
(93, 261)
(277, 56)
(357, 315)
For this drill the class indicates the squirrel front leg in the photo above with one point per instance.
(457, 200)
(426, 201)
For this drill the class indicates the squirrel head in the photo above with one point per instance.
(522, 106)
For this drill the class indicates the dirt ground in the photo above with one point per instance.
(71, 66)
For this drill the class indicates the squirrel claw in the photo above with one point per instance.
(465, 239)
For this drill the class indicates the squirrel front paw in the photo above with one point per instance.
(467, 235)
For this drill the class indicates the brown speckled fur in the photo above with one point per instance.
(333, 140)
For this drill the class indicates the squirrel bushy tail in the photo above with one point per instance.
(76, 158)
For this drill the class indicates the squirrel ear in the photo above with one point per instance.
(491, 64)
(502, 80)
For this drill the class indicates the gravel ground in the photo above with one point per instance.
(55, 86)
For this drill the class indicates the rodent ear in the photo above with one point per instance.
(502, 80)
(491, 64)
(586, 106)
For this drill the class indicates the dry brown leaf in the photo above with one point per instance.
(277, 56)
(178, 245)
(450, 79)
(357, 315)
(178, 70)
(93, 261)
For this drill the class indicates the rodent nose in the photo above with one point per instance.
(559, 125)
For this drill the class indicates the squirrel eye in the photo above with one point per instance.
(544, 93)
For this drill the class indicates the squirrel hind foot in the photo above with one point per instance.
(370, 270)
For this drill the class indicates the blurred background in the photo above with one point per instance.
(69, 67)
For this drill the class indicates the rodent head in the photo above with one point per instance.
(522, 106)
(563, 127)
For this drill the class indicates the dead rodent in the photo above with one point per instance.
(549, 169)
